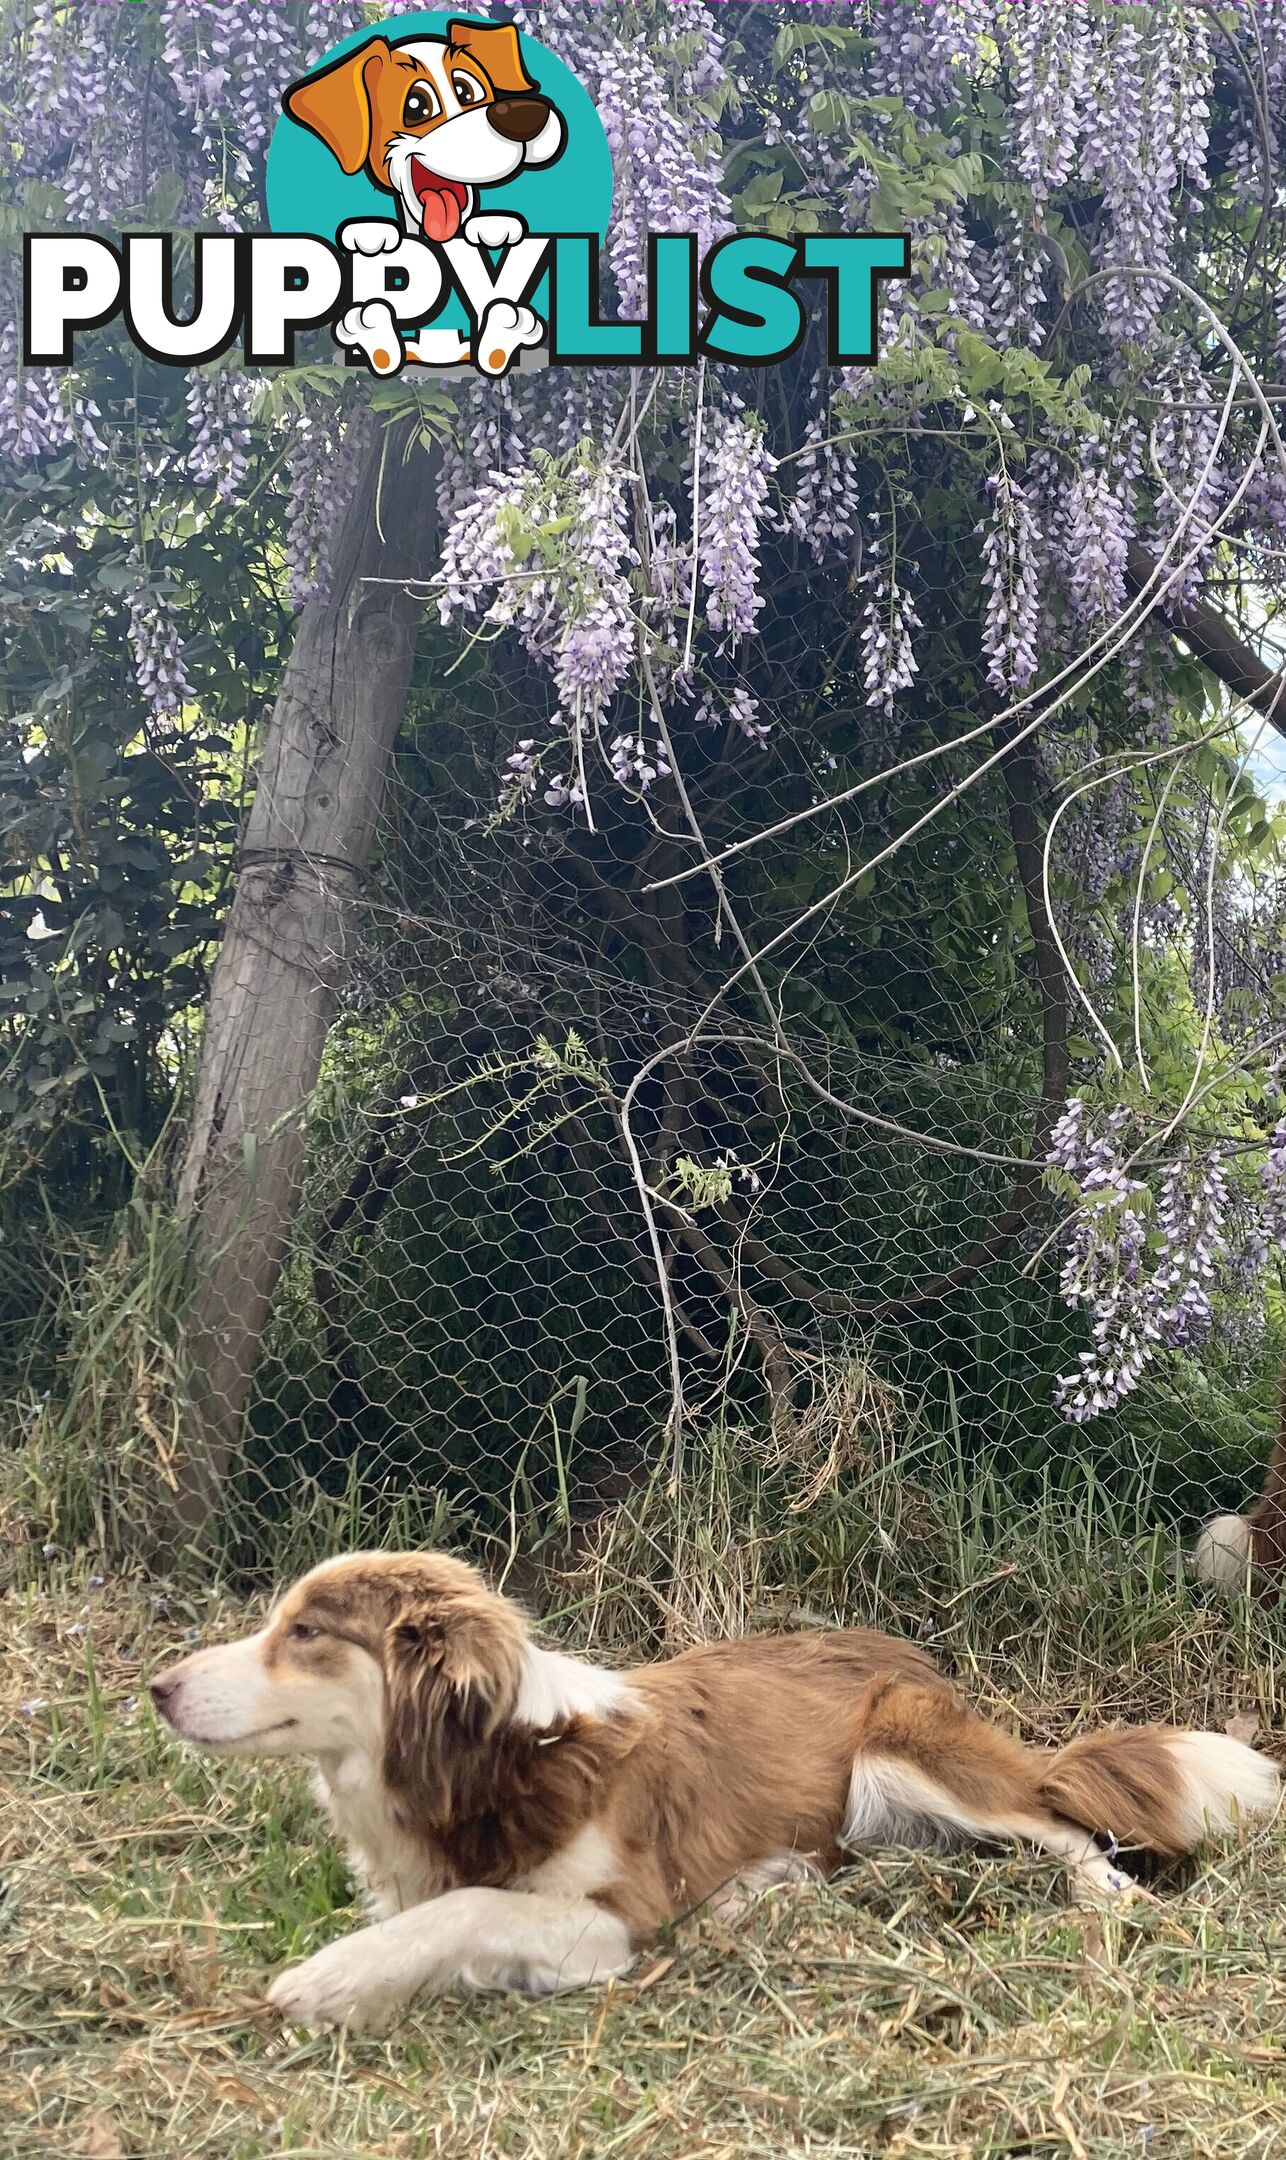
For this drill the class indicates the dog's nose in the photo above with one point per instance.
(518, 119)
(164, 1689)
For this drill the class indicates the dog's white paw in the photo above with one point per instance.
(344, 1985)
(370, 236)
(494, 229)
(371, 329)
(504, 330)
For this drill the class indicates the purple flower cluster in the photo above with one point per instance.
(737, 708)
(635, 764)
(1050, 57)
(1145, 139)
(1104, 1250)
(1014, 279)
(320, 484)
(595, 634)
(220, 406)
(1098, 528)
(918, 53)
(158, 657)
(668, 176)
(249, 50)
(1147, 1275)
(95, 138)
(1273, 1180)
(546, 549)
(734, 501)
(1192, 485)
(1011, 579)
(889, 665)
(1190, 1217)
(826, 507)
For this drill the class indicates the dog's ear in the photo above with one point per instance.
(496, 49)
(452, 1664)
(336, 105)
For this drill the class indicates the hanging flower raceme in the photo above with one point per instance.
(1190, 1217)
(738, 709)
(1104, 1248)
(919, 53)
(321, 472)
(1192, 488)
(1098, 528)
(1051, 53)
(595, 641)
(889, 665)
(257, 45)
(1012, 585)
(546, 550)
(667, 173)
(734, 498)
(157, 649)
(1273, 1179)
(1145, 143)
(220, 406)
(1014, 276)
(1153, 1275)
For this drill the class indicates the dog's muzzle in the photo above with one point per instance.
(518, 120)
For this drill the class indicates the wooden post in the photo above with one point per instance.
(288, 938)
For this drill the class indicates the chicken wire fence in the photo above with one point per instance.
(592, 1210)
(565, 1232)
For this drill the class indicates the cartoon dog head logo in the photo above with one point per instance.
(432, 120)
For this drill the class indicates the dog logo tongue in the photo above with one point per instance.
(441, 202)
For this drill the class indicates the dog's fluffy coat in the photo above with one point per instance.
(521, 1819)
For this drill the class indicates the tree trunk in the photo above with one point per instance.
(289, 934)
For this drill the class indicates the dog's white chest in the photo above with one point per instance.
(393, 1869)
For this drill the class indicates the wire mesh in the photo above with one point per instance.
(555, 1243)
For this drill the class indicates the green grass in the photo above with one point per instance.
(917, 2007)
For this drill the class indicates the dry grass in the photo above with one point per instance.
(919, 2007)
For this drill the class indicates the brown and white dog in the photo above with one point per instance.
(522, 1820)
(431, 121)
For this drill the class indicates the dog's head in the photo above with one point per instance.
(432, 119)
(403, 1657)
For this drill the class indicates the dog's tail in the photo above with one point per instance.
(1159, 1790)
(1236, 1550)
(927, 1767)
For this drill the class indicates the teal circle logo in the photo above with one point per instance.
(433, 121)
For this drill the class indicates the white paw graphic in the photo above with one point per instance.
(341, 1985)
(371, 329)
(370, 236)
(494, 229)
(504, 330)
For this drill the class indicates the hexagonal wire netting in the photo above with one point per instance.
(566, 1231)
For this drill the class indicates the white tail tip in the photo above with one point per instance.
(1222, 1554)
(1223, 1783)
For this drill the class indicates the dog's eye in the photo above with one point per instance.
(300, 1631)
(421, 105)
(468, 89)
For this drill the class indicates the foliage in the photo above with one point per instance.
(714, 602)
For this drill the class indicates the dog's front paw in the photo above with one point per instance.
(371, 329)
(504, 330)
(342, 1985)
(494, 229)
(370, 236)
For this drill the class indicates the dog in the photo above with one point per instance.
(522, 1820)
(432, 121)
(1239, 1552)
